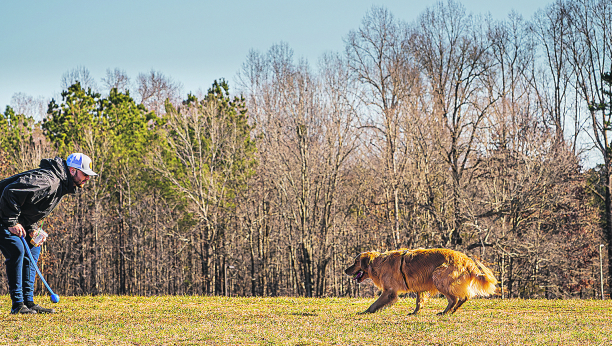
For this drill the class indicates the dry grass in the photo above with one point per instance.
(194, 320)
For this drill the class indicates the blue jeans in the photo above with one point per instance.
(21, 272)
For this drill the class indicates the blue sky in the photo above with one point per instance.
(193, 42)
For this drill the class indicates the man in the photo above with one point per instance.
(25, 199)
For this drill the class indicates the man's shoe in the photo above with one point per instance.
(39, 309)
(22, 309)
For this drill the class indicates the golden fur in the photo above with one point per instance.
(425, 272)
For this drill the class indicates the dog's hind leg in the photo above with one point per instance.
(421, 299)
(387, 297)
(452, 301)
(444, 278)
(459, 303)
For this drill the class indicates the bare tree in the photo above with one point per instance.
(379, 57)
(512, 51)
(36, 108)
(79, 74)
(528, 197)
(154, 89)
(591, 57)
(551, 30)
(307, 125)
(116, 78)
(454, 54)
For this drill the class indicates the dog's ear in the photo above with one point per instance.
(365, 260)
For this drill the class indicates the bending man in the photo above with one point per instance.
(25, 199)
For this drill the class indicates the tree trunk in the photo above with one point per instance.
(608, 230)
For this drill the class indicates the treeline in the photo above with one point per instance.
(453, 130)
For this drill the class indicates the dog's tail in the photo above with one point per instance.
(483, 284)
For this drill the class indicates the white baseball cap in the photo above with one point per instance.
(81, 162)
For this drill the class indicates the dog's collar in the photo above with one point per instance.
(402, 270)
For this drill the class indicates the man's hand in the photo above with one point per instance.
(18, 230)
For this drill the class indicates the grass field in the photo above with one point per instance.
(196, 320)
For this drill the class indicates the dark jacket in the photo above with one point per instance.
(30, 196)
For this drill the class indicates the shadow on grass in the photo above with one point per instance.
(303, 314)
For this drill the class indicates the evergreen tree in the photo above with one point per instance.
(15, 129)
(208, 158)
(600, 178)
(74, 119)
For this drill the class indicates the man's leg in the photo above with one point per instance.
(29, 273)
(14, 252)
(29, 278)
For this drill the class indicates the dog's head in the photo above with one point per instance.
(359, 270)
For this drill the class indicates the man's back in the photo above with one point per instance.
(30, 196)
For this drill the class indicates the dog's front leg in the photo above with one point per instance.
(421, 298)
(387, 297)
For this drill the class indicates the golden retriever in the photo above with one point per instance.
(425, 272)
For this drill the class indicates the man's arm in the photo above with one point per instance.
(30, 188)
